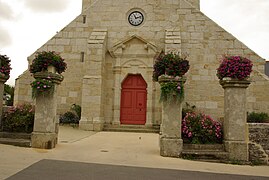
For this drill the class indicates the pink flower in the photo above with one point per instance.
(190, 134)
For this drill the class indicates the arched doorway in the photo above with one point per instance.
(133, 100)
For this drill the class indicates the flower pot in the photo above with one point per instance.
(51, 69)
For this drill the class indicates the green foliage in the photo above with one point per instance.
(254, 117)
(45, 59)
(42, 86)
(73, 116)
(69, 118)
(5, 66)
(171, 64)
(9, 90)
(77, 109)
(172, 91)
(198, 128)
(19, 119)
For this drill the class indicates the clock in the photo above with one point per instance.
(136, 18)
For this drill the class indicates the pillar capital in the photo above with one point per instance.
(234, 83)
(54, 77)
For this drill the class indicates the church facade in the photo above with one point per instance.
(110, 50)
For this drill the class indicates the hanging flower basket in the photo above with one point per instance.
(46, 68)
(46, 60)
(234, 67)
(171, 64)
(168, 71)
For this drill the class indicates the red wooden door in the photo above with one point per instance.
(133, 100)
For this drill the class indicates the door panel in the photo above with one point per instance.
(133, 100)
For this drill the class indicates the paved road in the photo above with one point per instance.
(64, 170)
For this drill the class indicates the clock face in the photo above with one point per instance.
(136, 18)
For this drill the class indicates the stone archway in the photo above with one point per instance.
(134, 55)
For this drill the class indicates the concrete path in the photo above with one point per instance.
(112, 148)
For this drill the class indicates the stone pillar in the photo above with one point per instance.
(235, 119)
(92, 109)
(45, 135)
(93, 92)
(3, 79)
(117, 95)
(171, 143)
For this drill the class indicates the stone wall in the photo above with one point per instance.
(206, 42)
(200, 37)
(259, 142)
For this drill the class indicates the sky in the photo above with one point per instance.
(25, 25)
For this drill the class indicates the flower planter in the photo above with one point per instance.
(51, 69)
(235, 67)
(48, 61)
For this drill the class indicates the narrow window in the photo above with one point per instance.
(82, 54)
(84, 19)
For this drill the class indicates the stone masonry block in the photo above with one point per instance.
(44, 140)
(98, 33)
(171, 147)
(62, 41)
(238, 150)
(169, 41)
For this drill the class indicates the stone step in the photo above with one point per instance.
(15, 135)
(208, 147)
(16, 142)
(205, 152)
(132, 128)
(205, 155)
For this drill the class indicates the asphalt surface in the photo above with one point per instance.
(64, 170)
